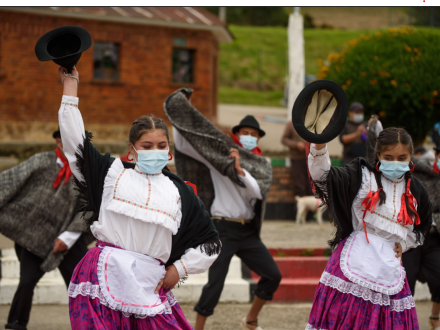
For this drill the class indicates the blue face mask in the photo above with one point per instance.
(152, 161)
(393, 169)
(248, 142)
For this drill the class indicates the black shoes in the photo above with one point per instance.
(15, 325)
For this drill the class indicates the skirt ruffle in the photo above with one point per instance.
(88, 310)
(341, 304)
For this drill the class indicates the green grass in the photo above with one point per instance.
(253, 68)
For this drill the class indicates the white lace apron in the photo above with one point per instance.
(127, 281)
(372, 265)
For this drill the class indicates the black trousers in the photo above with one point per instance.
(30, 274)
(243, 241)
(423, 264)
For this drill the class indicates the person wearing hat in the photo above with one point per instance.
(38, 212)
(233, 181)
(353, 136)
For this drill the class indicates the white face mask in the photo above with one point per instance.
(358, 118)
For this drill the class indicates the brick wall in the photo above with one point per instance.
(30, 90)
(281, 190)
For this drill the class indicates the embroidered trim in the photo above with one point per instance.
(386, 289)
(117, 305)
(376, 298)
(94, 291)
(147, 174)
(397, 181)
(311, 327)
(319, 153)
(148, 198)
(184, 267)
(71, 104)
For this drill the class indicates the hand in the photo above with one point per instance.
(301, 146)
(398, 250)
(63, 70)
(170, 280)
(371, 118)
(361, 129)
(59, 246)
(233, 153)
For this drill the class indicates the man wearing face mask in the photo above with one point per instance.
(236, 197)
(354, 135)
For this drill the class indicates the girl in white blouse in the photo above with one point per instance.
(151, 228)
(379, 211)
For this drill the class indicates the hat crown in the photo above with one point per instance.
(250, 121)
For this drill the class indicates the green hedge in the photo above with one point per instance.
(394, 73)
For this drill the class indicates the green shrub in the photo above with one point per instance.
(394, 73)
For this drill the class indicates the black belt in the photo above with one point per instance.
(242, 221)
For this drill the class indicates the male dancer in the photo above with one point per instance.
(37, 212)
(233, 181)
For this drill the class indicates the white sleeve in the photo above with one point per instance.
(72, 130)
(69, 238)
(183, 146)
(410, 242)
(194, 261)
(252, 187)
(319, 162)
(379, 128)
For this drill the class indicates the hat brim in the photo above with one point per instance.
(235, 129)
(338, 120)
(41, 46)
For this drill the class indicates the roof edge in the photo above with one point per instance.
(221, 33)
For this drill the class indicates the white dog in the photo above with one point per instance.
(305, 204)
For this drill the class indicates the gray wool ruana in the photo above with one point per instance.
(214, 146)
(33, 213)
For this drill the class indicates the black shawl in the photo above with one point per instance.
(196, 227)
(339, 187)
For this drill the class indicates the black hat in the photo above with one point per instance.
(63, 45)
(320, 111)
(56, 134)
(356, 106)
(249, 121)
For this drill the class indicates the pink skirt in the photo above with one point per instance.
(340, 304)
(88, 310)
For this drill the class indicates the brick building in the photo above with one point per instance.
(139, 56)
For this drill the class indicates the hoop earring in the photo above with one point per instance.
(377, 166)
(128, 157)
(171, 156)
(413, 166)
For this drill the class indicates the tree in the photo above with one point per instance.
(394, 73)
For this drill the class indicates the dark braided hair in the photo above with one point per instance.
(390, 138)
(144, 125)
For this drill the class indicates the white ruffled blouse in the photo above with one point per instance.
(139, 212)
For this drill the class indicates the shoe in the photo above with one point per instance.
(15, 325)
(244, 322)
(431, 324)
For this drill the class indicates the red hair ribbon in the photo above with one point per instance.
(435, 167)
(403, 216)
(369, 204)
(65, 170)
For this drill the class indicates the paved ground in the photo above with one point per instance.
(226, 317)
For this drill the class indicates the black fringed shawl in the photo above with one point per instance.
(339, 187)
(196, 227)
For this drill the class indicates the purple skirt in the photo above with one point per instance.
(88, 310)
(340, 304)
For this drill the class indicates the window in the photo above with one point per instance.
(106, 61)
(183, 66)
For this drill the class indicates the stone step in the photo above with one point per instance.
(52, 290)
(301, 267)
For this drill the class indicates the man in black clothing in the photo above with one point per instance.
(353, 136)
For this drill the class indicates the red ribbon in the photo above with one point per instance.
(403, 216)
(65, 170)
(369, 204)
(436, 169)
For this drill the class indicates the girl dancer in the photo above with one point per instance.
(151, 228)
(379, 211)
